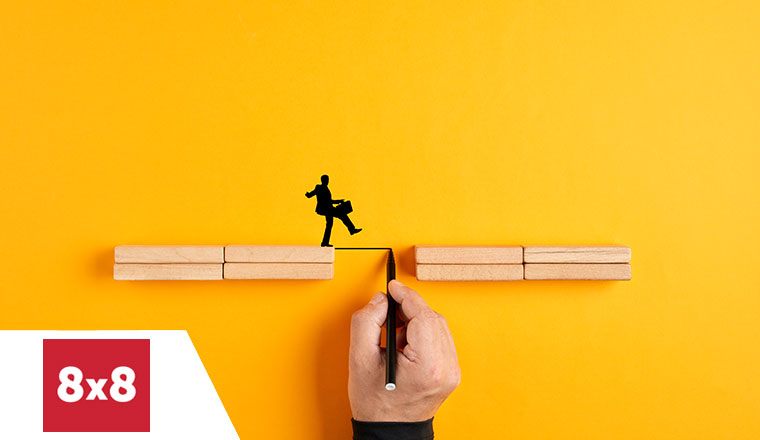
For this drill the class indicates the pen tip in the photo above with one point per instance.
(390, 386)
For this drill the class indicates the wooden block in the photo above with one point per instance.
(185, 271)
(469, 272)
(168, 254)
(278, 271)
(278, 254)
(427, 254)
(578, 271)
(577, 254)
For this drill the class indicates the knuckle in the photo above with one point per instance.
(430, 315)
(455, 379)
(444, 380)
(358, 317)
(436, 377)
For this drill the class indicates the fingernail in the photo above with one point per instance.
(377, 298)
(398, 282)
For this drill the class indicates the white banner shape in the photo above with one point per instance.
(183, 401)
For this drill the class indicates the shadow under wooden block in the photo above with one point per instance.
(577, 254)
(278, 254)
(168, 254)
(278, 271)
(469, 272)
(181, 271)
(439, 254)
(578, 271)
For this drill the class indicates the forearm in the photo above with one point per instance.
(393, 430)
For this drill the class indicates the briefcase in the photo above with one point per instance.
(343, 208)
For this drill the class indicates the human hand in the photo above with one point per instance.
(427, 369)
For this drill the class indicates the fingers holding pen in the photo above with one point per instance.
(427, 366)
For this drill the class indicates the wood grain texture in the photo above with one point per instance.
(184, 271)
(577, 254)
(469, 272)
(278, 271)
(168, 254)
(434, 254)
(278, 254)
(578, 271)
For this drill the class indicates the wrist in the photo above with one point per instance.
(384, 411)
(393, 430)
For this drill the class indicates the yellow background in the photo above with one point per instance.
(519, 122)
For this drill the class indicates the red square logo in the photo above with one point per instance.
(96, 385)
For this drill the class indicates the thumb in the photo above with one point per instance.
(366, 328)
(410, 302)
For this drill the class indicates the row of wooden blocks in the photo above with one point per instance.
(433, 263)
(234, 262)
(514, 263)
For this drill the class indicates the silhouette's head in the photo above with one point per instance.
(325, 179)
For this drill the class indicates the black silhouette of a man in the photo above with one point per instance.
(325, 207)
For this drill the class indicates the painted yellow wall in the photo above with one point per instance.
(520, 122)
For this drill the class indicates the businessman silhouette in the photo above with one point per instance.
(325, 207)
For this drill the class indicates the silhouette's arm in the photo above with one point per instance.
(311, 194)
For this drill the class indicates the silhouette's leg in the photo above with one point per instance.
(328, 230)
(346, 221)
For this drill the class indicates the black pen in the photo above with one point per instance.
(390, 321)
(390, 329)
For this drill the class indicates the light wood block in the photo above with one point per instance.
(185, 271)
(168, 254)
(469, 272)
(429, 254)
(278, 254)
(578, 271)
(278, 271)
(577, 254)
